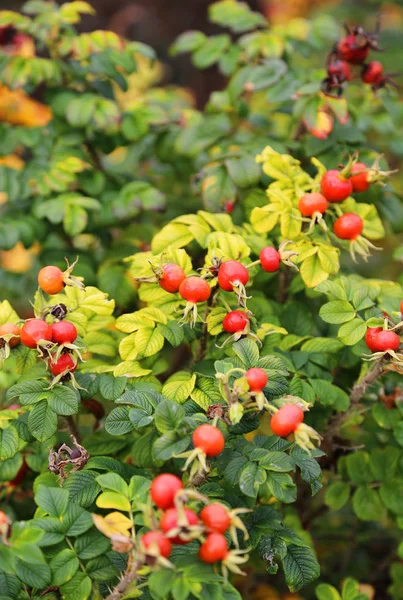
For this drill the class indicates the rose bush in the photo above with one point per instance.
(210, 398)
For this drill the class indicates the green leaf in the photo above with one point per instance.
(392, 493)
(76, 520)
(172, 332)
(248, 351)
(179, 387)
(78, 588)
(53, 501)
(358, 467)
(112, 387)
(235, 15)
(300, 567)
(29, 392)
(324, 591)
(63, 400)
(42, 421)
(63, 566)
(168, 416)
(251, 478)
(337, 311)
(33, 574)
(367, 504)
(210, 51)
(277, 461)
(118, 421)
(169, 445)
(350, 589)
(337, 494)
(114, 482)
(82, 487)
(188, 42)
(352, 332)
(91, 544)
(282, 486)
(8, 443)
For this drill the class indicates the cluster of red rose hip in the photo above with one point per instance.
(55, 342)
(336, 186)
(349, 54)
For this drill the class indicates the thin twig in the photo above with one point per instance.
(357, 393)
(71, 424)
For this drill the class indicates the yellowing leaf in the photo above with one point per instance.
(130, 368)
(291, 224)
(179, 257)
(312, 272)
(172, 235)
(264, 219)
(148, 341)
(113, 523)
(329, 259)
(218, 222)
(7, 313)
(215, 319)
(179, 387)
(232, 245)
(132, 322)
(113, 500)
(91, 298)
(127, 349)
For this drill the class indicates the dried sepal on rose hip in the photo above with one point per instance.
(362, 176)
(180, 525)
(383, 343)
(219, 519)
(289, 419)
(270, 259)
(168, 275)
(232, 277)
(53, 280)
(194, 290)
(208, 442)
(156, 548)
(349, 227)
(312, 207)
(237, 324)
(9, 338)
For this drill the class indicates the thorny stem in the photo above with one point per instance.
(357, 393)
(124, 583)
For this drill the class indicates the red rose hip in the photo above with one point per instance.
(311, 203)
(235, 321)
(164, 488)
(256, 379)
(35, 330)
(286, 419)
(209, 439)
(335, 187)
(172, 277)
(348, 227)
(270, 259)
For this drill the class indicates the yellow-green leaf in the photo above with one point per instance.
(179, 387)
(113, 500)
(312, 272)
(172, 235)
(148, 341)
(130, 368)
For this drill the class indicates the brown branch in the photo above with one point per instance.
(119, 590)
(71, 424)
(357, 393)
